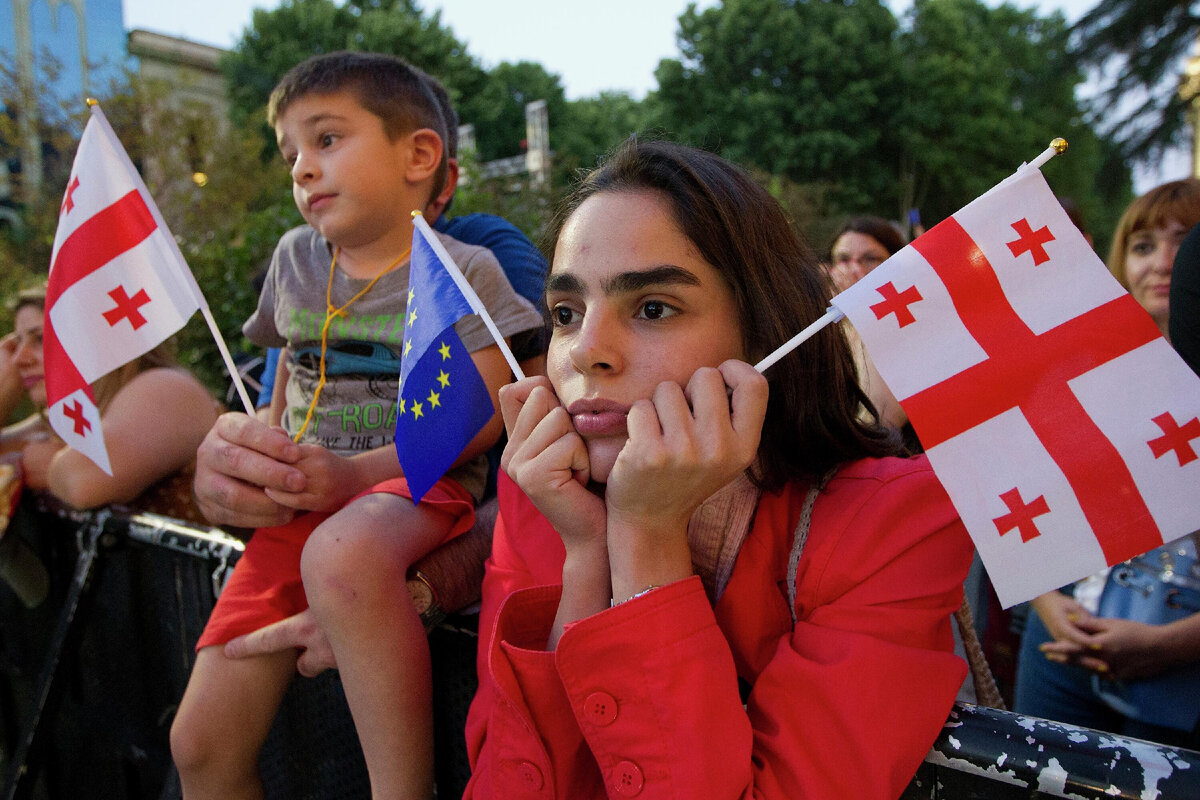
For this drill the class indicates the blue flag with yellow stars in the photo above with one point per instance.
(443, 401)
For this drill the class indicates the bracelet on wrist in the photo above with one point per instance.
(615, 602)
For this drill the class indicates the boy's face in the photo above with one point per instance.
(348, 176)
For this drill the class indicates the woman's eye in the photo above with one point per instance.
(327, 139)
(1142, 248)
(562, 315)
(655, 309)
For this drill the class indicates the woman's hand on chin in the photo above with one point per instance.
(685, 444)
(548, 459)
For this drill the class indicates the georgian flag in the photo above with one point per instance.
(118, 284)
(1062, 424)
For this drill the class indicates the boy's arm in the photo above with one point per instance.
(333, 479)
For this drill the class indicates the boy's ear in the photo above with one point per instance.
(425, 155)
(439, 203)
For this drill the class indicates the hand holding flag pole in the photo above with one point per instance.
(834, 315)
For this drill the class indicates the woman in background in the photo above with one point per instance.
(154, 415)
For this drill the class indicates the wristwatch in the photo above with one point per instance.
(425, 600)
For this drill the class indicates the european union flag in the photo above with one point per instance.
(443, 401)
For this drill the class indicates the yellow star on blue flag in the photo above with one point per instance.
(443, 401)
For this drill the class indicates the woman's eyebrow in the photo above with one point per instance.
(636, 280)
(623, 282)
(564, 283)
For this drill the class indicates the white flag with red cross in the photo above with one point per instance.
(118, 284)
(1062, 424)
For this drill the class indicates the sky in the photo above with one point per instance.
(591, 45)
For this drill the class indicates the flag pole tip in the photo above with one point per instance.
(1059, 145)
(416, 214)
(91, 101)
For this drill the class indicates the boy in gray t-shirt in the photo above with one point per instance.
(363, 136)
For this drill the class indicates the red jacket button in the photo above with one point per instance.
(600, 708)
(530, 775)
(629, 780)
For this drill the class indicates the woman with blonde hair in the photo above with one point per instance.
(1146, 241)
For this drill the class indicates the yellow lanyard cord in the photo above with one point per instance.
(330, 313)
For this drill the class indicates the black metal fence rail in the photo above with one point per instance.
(90, 679)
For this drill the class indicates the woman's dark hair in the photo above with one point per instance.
(877, 228)
(812, 419)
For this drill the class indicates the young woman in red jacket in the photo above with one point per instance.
(664, 614)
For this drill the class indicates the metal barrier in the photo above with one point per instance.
(996, 755)
(94, 675)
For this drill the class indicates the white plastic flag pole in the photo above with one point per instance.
(830, 316)
(1056, 147)
(460, 281)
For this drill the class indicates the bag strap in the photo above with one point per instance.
(987, 693)
(800, 537)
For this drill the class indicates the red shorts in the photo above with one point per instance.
(265, 586)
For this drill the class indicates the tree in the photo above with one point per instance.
(985, 88)
(282, 37)
(594, 126)
(226, 219)
(800, 88)
(1144, 42)
(497, 109)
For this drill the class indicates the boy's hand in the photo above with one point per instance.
(329, 481)
(238, 460)
(549, 460)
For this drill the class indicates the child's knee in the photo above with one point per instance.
(193, 741)
(341, 565)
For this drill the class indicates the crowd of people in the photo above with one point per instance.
(703, 581)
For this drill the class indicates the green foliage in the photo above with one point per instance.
(498, 108)
(594, 126)
(227, 224)
(1142, 43)
(985, 87)
(858, 113)
(25, 246)
(282, 37)
(226, 228)
(799, 89)
(527, 206)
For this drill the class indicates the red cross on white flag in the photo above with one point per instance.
(1061, 423)
(118, 284)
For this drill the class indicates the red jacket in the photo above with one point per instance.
(643, 700)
